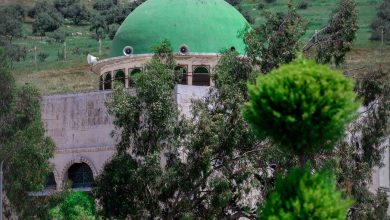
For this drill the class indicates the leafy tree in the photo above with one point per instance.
(113, 28)
(103, 5)
(47, 21)
(24, 147)
(303, 107)
(208, 183)
(362, 150)
(11, 22)
(58, 35)
(381, 22)
(78, 13)
(76, 205)
(276, 41)
(301, 195)
(63, 6)
(98, 27)
(334, 40)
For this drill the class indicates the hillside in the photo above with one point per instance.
(73, 75)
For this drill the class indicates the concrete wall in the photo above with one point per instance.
(80, 126)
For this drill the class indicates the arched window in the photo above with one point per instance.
(101, 82)
(80, 174)
(133, 72)
(201, 76)
(183, 77)
(50, 182)
(120, 76)
(107, 81)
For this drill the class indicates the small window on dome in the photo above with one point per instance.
(232, 48)
(184, 49)
(127, 51)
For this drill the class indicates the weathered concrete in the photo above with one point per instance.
(81, 127)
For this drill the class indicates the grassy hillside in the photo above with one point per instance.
(73, 75)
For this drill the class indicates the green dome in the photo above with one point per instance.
(204, 26)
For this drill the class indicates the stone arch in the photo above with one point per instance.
(80, 159)
(201, 76)
(182, 70)
(120, 76)
(107, 81)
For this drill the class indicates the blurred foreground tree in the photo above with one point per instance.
(24, 148)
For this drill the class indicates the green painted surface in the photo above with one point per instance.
(205, 26)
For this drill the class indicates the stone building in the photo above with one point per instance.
(198, 31)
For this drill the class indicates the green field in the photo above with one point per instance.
(73, 75)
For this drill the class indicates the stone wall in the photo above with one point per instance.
(81, 127)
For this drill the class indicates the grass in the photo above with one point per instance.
(55, 76)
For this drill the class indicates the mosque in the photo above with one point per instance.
(198, 31)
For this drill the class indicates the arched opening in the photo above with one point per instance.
(182, 70)
(81, 176)
(101, 83)
(107, 81)
(201, 76)
(50, 182)
(133, 73)
(120, 76)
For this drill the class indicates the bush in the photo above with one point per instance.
(303, 4)
(304, 196)
(59, 35)
(234, 2)
(381, 22)
(42, 56)
(260, 6)
(302, 106)
(76, 205)
(112, 31)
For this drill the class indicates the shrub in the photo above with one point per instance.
(302, 106)
(76, 205)
(381, 22)
(42, 56)
(303, 4)
(260, 6)
(304, 196)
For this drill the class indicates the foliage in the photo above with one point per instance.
(103, 5)
(303, 107)
(58, 35)
(334, 40)
(234, 2)
(98, 27)
(47, 20)
(14, 52)
(357, 155)
(217, 170)
(11, 22)
(269, 1)
(276, 41)
(24, 147)
(42, 56)
(76, 205)
(63, 6)
(7, 86)
(381, 22)
(302, 195)
(78, 13)
(303, 4)
(113, 28)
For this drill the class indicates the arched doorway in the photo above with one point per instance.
(201, 76)
(182, 70)
(133, 73)
(120, 76)
(107, 81)
(81, 176)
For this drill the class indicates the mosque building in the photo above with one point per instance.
(198, 31)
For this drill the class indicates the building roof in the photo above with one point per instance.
(203, 26)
